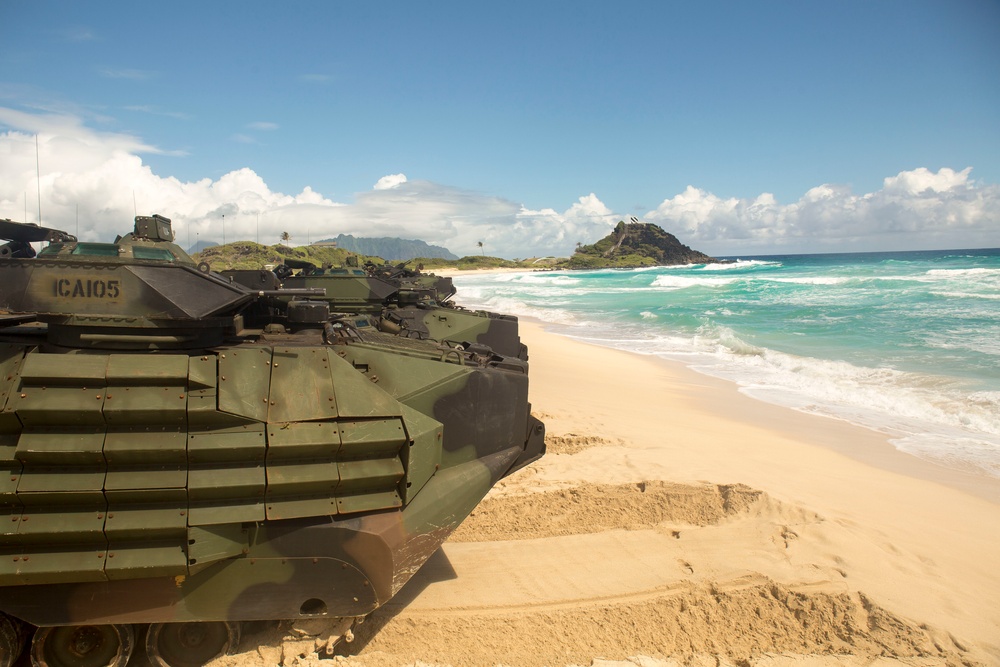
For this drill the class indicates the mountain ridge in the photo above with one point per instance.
(393, 249)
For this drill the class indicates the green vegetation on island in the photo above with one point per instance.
(250, 255)
(634, 245)
(629, 245)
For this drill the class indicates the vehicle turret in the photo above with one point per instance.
(140, 292)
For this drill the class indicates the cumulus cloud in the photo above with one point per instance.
(914, 209)
(92, 183)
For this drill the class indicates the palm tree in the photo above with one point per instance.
(286, 237)
(480, 244)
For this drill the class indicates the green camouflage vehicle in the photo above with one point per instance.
(409, 303)
(182, 452)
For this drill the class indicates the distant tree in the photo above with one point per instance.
(286, 237)
(480, 244)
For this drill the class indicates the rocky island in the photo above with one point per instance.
(633, 245)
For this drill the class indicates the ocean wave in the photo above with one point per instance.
(878, 397)
(681, 282)
(536, 278)
(516, 307)
(990, 296)
(896, 402)
(810, 280)
(965, 338)
(739, 264)
(902, 404)
(958, 452)
(976, 272)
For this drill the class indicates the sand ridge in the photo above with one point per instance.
(592, 508)
(730, 616)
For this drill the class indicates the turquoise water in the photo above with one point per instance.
(907, 343)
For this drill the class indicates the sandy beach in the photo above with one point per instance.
(675, 521)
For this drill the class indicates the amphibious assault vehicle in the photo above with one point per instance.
(409, 303)
(182, 451)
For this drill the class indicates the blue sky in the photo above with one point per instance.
(741, 127)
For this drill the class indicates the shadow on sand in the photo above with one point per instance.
(437, 568)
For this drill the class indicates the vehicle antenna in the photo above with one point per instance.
(38, 181)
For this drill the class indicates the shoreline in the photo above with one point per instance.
(878, 450)
(887, 455)
(705, 429)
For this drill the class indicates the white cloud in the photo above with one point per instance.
(390, 181)
(913, 210)
(921, 180)
(102, 175)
